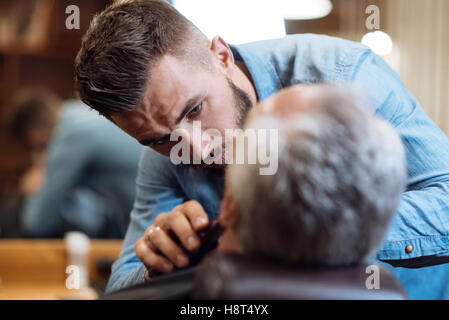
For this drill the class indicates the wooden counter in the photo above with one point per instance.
(35, 269)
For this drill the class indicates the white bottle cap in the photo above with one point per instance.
(77, 242)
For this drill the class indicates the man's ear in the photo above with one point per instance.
(223, 54)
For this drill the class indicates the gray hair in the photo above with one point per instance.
(341, 173)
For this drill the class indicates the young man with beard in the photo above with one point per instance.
(151, 71)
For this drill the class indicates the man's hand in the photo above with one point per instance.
(32, 180)
(167, 242)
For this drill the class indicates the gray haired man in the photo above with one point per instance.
(337, 186)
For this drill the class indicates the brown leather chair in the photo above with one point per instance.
(233, 276)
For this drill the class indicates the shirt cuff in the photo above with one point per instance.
(414, 248)
(137, 276)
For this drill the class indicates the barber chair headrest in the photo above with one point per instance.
(234, 276)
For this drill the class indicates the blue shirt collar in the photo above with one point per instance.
(263, 73)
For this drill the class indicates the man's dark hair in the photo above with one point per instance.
(123, 43)
(32, 109)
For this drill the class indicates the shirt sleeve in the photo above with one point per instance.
(420, 228)
(157, 191)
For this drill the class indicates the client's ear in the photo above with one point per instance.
(229, 218)
(229, 215)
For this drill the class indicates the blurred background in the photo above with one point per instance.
(38, 106)
(35, 49)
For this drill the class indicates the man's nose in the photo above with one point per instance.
(202, 146)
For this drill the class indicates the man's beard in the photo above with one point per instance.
(242, 105)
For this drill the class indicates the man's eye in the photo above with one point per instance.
(156, 143)
(196, 111)
(160, 142)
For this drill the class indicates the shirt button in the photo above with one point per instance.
(409, 248)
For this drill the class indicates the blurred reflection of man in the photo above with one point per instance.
(83, 177)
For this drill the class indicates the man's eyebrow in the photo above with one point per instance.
(147, 142)
(189, 105)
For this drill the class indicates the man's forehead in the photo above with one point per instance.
(170, 86)
(158, 106)
(131, 121)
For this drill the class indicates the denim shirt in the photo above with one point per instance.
(422, 218)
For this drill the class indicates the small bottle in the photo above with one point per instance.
(78, 247)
